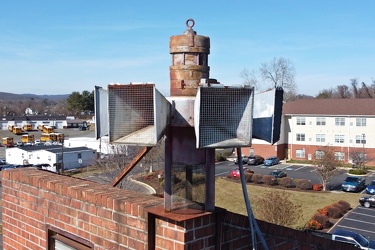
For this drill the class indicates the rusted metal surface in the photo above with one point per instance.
(131, 165)
(189, 61)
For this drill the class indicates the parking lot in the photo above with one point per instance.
(360, 220)
(68, 133)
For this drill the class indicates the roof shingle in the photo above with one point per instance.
(353, 106)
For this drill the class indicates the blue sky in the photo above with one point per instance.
(57, 47)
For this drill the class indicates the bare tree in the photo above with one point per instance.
(280, 72)
(109, 166)
(326, 164)
(366, 91)
(359, 158)
(343, 91)
(354, 84)
(278, 208)
(326, 93)
(249, 78)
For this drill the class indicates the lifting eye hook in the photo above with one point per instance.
(190, 20)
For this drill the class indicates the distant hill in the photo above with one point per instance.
(9, 96)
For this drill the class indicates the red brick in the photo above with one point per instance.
(204, 231)
(111, 225)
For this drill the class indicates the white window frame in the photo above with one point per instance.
(340, 121)
(320, 138)
(301, 120)
(360, 139)
(300, 137)
(340, 139)
(362, 156)
(360, 122)
(340, 156)
(319, 154)
(320, 121)
(300, 153)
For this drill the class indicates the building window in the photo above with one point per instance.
(362, 156)
(301, 121)
(79, 156)
(300, 153)
(360, 122)
(360, 139)
(340, 121)
(340, 156)
(319, 154)
(320, 137)
(320, 121)
(58, 239)
(339, 138)
(251, 152)
(300, 137)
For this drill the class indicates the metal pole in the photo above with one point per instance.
(363, 150)
(253, 223)
(62, 155)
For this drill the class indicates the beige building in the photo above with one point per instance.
(308, 124)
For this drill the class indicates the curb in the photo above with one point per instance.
(148, 187)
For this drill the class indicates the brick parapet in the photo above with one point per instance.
(112, 218)
(109, 217)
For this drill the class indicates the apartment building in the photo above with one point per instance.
(348, 125)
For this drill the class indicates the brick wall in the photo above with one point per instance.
(266, 150)
(104, 217)
(109, 218)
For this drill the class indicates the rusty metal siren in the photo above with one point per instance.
(137, 114)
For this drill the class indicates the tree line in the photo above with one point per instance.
(76, 104)
(280, 72)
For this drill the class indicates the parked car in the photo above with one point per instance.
(370, 189)
(244, 160)
(236, 172)
(12, 166)
(83, 128)
(255, 160)
(278, 174)
(354, 238)
(367, 201)
(353, 184)
(270, 161)
(19, 143)
(46, 166)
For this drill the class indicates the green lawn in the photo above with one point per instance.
(229, 195)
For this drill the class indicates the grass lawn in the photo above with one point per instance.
(229, 195)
